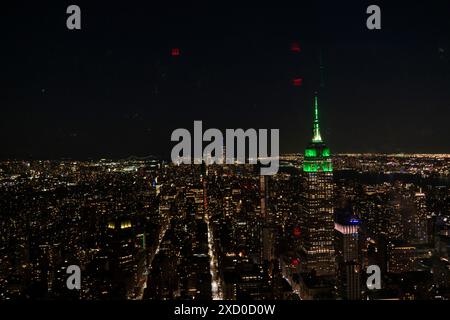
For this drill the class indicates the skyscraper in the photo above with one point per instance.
(316, 245)
(266, 221)
(347, 255)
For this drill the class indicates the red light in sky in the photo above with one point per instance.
(297, 232)
(175, 52)
(297, 82)
(295, 261)
(295, 47)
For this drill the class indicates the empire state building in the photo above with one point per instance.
(317, 216)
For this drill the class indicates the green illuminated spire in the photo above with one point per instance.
(317, 154)
(316, 129)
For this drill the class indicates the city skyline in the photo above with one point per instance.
(243, 156)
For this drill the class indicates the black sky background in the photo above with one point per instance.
(113, 89)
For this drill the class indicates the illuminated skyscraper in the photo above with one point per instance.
(347, 256)
(266, 221)
(316, 245)
(421, 222)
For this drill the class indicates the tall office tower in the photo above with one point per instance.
(121, 256)
(121, 245)
(347, 256)
(266, 222)
(421, 218)
(317, 225)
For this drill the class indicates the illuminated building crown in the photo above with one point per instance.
(316, 128)
(317, 154)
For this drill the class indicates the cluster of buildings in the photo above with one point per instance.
(147, 229)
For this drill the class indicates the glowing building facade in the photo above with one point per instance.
(317, 219)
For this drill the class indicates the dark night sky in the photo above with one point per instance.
(113, 89)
